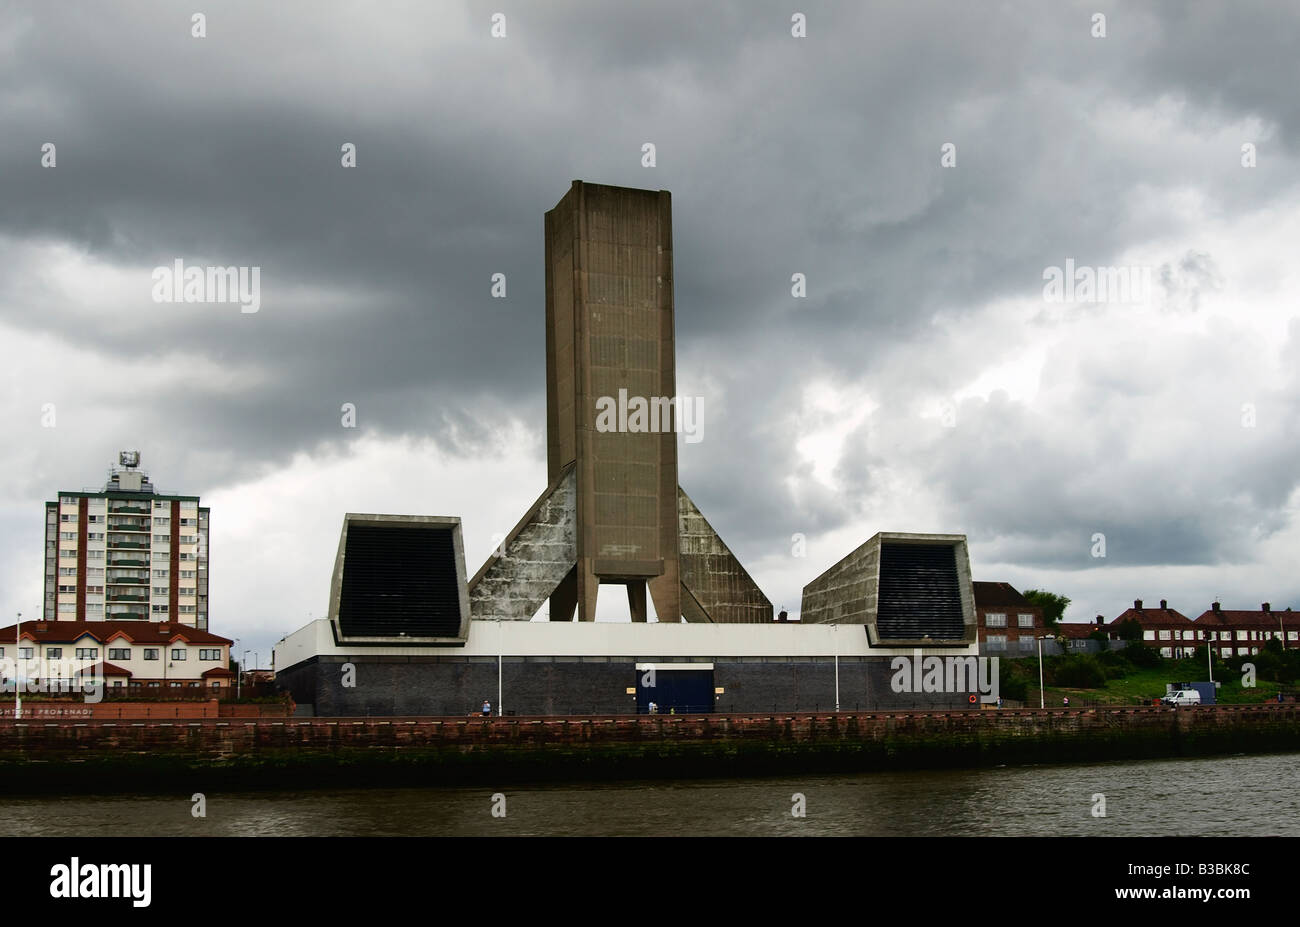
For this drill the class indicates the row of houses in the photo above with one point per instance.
(1009, 623)
(128, 655)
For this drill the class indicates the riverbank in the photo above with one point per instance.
(343, 752)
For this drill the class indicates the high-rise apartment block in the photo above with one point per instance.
(126, 553)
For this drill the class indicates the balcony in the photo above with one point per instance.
(118, 597)
(129, 526)
(128, 563)
(127, 509)
(129, 580)
(127, 545)
(126, 616)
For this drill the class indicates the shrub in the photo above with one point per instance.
(1079, 671)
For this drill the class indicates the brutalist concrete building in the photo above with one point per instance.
(409, 634)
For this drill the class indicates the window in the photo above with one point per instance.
(95, 572)
(151, 653)
(161, 538)
(94, 590)
(1293, 635)
(1164, 634)
(193, 685)
(185, 557)
(95, 535)
(155, 685)
(1166, 652)
(187, 574)
(117, 683)
(996, 642)
(160, 609)
(1241, 636)
(67, 535)
(159, 574)
(53, 653)
(95, 607)
(87, 653)
(68, 500)
(210, 653)
(25, 653)
(161, 521)
(95, 519)
(67, 589)
(67, 571)
(216, 684)
(67, 518)
(185, 609)
(1026, 643)
(119, 653)
(1148, 635)
(995, 620)
(95, 554)
(66, 608)
(160, 590)
(189, 522)
(175, 685)
(178, 653)
(160, 506)
(1026, 621)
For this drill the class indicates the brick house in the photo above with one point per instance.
(1167, 629)
(1007, 621)
(1243, 633)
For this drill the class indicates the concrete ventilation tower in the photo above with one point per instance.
(613, 512)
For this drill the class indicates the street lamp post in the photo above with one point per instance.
(1042, 696)
(1209, 653)
(18, 689)
(500, 711)
(243, 668)
(836, 633)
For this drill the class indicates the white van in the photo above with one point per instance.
(1182, 697)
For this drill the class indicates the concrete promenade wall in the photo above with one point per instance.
(337, 752)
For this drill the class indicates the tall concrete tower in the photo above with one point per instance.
(613, 513)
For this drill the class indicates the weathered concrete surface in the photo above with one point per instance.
(537, 556)
(715, 585)
(849, 591)
(609, 339)
(609, 333)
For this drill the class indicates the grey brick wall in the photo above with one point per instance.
(456, 686)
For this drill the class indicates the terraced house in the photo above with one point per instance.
(140, 655)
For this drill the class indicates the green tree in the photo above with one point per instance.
(1053, 605)
(1129, 630)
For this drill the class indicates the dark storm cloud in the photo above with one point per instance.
(819, 157)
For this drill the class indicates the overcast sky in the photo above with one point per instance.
(925, 382)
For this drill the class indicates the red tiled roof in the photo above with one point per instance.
(109, 669)
(138, 632)
(1078, 630)
(217, 671)
(1153, 618)
(1261, 619)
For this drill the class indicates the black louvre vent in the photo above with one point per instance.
(919, 593)
(399, 580)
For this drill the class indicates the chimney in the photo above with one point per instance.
(1137, 604)
(1101, 619)
(1215, 607)
(1265, 607)
(1164, 604)
(164, 627)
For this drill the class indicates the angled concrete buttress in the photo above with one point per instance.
(614, 513)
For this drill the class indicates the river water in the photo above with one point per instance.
(1224, 796)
